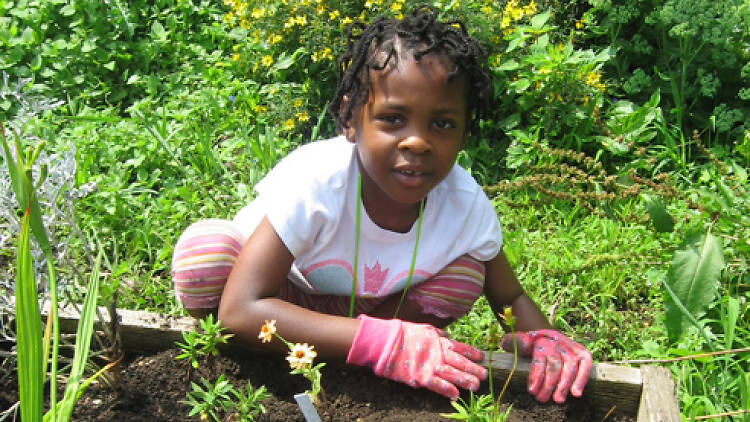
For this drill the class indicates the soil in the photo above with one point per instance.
(152, 388)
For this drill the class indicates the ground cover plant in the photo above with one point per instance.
(617, 156)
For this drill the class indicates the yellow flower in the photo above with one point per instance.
(302, 117)
(275, 39)
(333, 15)
(346, 21)
(320, 9)
(579, 24)
(236, 56)
(289, 124)
(257, 13)
(298, 102)
(395, 7)
(301, 356)
(267, 60)
(267, 331)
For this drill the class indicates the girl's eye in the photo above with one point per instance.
(444, 124)
(390, 119)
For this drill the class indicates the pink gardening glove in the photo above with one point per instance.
(418, 355)
(558, 364)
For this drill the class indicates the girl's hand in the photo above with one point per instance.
(558, 364)
(418, 355)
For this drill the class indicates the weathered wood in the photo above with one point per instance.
(608, 385)
(647, 392)
(658, 400)
(140, 331)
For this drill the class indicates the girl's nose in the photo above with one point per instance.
(416, 144)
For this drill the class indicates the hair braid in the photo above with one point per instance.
(371, 47)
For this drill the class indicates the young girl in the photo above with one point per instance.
(382, 224)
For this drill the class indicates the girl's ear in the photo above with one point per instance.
(349, 129)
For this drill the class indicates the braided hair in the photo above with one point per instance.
(385, 39)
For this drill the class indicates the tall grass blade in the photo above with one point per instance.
(82, 346)
(29, 331)
(692, 280)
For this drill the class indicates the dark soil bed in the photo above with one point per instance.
(151, 388)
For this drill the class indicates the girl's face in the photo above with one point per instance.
(409, 131)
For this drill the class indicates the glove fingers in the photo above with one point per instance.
(536, 373)
(438, 385)
(545, 371)
(458, 378)
(466, 351)
(584, 368)
(567, 374)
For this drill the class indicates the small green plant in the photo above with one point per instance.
(204, 343)
(247, 404)
(479, 409)
(211, 336)
(300, 359)
(210, 402)
(191, 349)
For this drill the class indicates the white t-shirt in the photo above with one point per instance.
(309, 198)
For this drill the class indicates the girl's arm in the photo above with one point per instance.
(248, 301)
(501, 287)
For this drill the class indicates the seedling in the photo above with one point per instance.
(202, 344)
(191, 349)
(211, 337)
(207, 403)
(248, 403)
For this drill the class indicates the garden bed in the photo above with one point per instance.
(152, 385)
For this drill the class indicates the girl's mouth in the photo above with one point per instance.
(410, 178)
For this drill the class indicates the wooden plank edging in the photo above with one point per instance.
(647, 391)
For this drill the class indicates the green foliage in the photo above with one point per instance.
(692, 281)
(210, 401)
(191, 348)
(478, 409)
(247, 403)
(211, 335)
(103, 53)
(33, 350)
(546, 85)
(696, 52)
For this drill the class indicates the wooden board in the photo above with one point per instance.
(608, 386)
(647, 392)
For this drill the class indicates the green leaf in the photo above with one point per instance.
(508, 66)
(158, 32)
(68, 10)
(729, 314)
(693, 277)
(657, 210)
(83, 343)
(538, 21)
(27, 36)
(28, 329)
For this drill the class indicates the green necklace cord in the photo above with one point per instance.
(356, 246)
(356, 251)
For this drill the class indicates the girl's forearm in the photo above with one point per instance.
(528, 316)
(331, 335)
